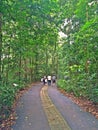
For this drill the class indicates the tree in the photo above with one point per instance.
(0, 46)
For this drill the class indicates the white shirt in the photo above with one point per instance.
(49, 77)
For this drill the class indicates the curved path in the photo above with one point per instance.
(45, 108)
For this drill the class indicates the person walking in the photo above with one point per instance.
(53, 78)
(49, 80)
(46, 80)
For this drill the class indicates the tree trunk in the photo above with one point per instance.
(47, 68)
(0, 47)
(25, 68)
(36, 63)
(55, 60)
(19, 68)
(31, 69)
(8, 64)
(36, 66)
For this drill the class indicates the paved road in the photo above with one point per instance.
(32, 111)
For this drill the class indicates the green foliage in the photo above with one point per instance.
(94, 95)
(61, 83)
(28, 45)
(78, 54)
(7, 97)
(70, 88)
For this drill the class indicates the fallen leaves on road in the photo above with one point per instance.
(5, 125)
(85, 104)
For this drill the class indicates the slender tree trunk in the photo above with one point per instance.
(25, 68)
(87, 46)
(8, 64)
(31, 69)
(47, 68)
(56, 60)
(36, 66)
(0, 47)
(36, 63)
(19, 67)
(53, 61)
(97, 72)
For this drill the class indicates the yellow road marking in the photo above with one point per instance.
(55, 119)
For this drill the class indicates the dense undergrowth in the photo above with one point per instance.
(80, 89)
(8, 93)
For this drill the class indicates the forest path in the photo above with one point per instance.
(45, 108)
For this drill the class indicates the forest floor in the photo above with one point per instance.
(84, 103)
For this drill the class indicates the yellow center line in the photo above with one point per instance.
(55, 119)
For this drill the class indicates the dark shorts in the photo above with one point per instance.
(49, 82)
(53, 80)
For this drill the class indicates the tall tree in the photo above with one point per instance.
(0, 46)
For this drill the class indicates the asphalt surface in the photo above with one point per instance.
(31, 114)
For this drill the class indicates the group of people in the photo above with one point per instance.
(48, 80)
